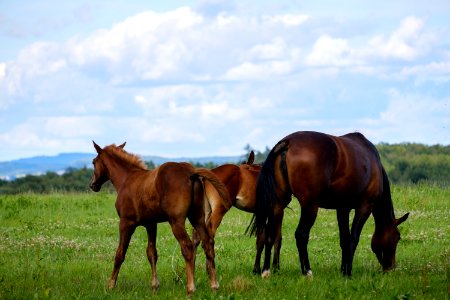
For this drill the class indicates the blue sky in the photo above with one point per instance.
(203, 78)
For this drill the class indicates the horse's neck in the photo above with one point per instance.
(383, 212)
(117, 172)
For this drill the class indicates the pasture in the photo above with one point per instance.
(63, 245)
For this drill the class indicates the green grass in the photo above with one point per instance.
(62, 246)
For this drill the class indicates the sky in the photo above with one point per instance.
(207, 78)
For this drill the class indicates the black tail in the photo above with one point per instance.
(265, 192)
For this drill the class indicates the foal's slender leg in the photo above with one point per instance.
(126, 230)
(208, 248)
(152, 254)
(307, 219)
(212, 223)
(344, 235)
(186, 246)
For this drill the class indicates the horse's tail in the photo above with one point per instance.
(265, 191)
(216, 183)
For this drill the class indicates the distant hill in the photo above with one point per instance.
(37, 165)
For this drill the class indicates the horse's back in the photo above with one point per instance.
(333, 170)
(158, 194)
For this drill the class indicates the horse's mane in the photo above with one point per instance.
(128, 158)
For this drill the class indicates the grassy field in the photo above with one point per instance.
(62, 246)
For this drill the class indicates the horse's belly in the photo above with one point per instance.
(333, 200)
(244, 204)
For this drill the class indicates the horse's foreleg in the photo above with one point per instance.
(361, 216)
(278, 238)
(187, 251)
(126, 230)
(344, 235)
(307, 219)
(152, 254)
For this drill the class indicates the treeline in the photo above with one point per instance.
(416, 162)
(404, 163)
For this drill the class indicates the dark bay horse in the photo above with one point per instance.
(170, 193)
(240, 181)
(320, 170)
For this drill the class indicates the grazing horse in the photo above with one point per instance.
(320, 170)
(240, 182)
(170, 193)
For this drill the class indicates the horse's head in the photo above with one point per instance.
(100, 171)
(384, 243)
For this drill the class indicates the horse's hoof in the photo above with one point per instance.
(215, 286)
(309, 274)
(265, 274)
(190, 292)
(155, 285)
(111, 284)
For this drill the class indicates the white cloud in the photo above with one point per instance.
(408, 42)
(288, 19)
(328, 51)
(438, 72)
(258, 71)
(49, 135)
(2, 71)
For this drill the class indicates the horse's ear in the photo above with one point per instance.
(402, 219)
(251, 158)
(123, 145)
(97, 148)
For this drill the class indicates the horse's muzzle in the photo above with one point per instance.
(95, 187)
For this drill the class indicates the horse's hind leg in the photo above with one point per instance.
(186, 246)
(212, 223)
(208, 215)
(260, 238)
(152, 253)
(208, 248)
(273, 236)
(126, 230)
(277, 241)
(307, 219)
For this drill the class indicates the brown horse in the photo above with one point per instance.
(170, 193)
(321, 170)
(240, 182)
